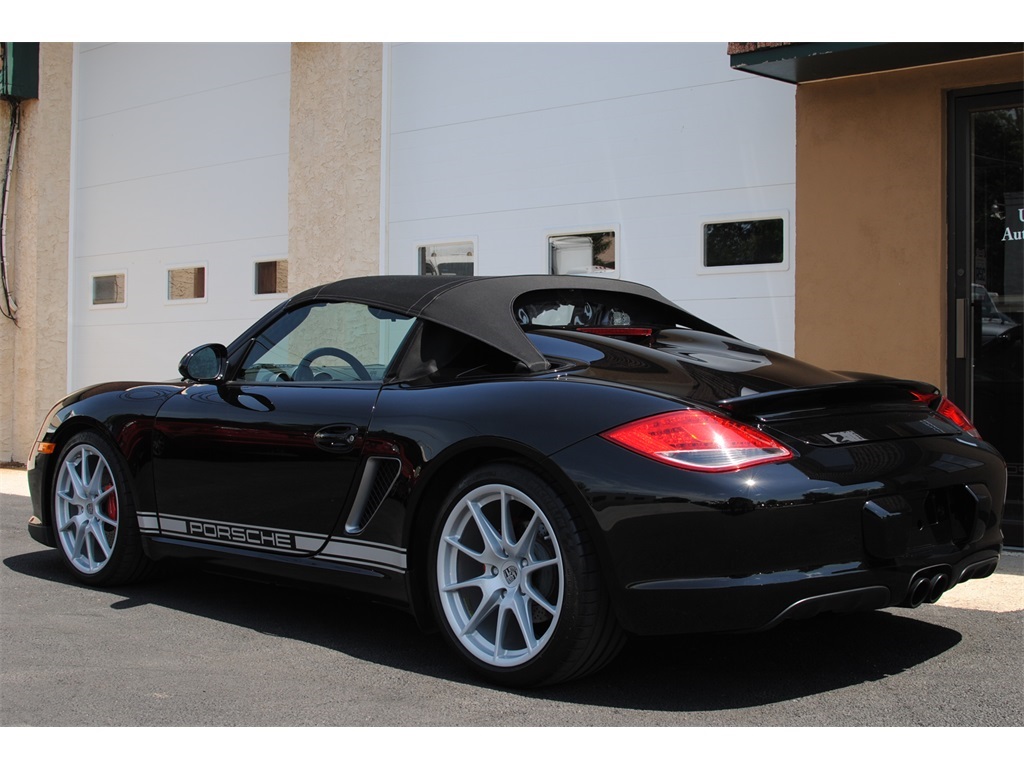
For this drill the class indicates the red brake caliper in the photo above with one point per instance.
(111, 503)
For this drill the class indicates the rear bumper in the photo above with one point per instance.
(762, 601)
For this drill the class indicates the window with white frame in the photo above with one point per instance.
(271, 277)
(584, 253)
(184, 283)
(744, 243)
(447, 259)
(108, 290)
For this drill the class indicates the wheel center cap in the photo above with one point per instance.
(510, 573)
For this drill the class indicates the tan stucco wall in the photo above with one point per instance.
(33, 355)
(334, 162)
(871, 216)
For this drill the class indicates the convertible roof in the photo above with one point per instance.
(480, 307)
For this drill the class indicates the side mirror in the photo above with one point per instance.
(205, 365)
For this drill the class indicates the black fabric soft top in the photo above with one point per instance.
(481, 307)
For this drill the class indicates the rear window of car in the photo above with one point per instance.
(575, 308)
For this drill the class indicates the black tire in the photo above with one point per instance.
(515, 582)
(94, 514)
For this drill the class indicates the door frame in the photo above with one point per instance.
(960, 105)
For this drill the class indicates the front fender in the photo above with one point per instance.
(123, 411)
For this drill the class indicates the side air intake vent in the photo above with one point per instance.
(378, 478)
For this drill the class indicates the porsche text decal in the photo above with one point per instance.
(241, 535)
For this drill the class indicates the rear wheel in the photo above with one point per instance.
(515, 582)
(94, 514)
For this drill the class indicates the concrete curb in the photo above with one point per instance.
(14, 482)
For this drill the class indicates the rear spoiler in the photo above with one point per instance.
(863, 391)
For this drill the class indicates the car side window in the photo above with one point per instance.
(324, 342)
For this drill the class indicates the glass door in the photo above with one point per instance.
(987, 275)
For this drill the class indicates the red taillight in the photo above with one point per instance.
(698, 440)
(958, 417)
(948, 410)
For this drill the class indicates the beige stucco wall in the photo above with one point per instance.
(33, 355)
(334, 162)
(871, 216)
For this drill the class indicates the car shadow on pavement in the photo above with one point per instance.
(795, 660)
(681, 673)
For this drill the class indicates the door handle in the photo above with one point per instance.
(337, 438)
(961, 323)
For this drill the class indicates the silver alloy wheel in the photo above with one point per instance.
(500, 575)
(86, 507)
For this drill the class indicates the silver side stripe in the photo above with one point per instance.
(365, 553)
(173, 526)
(148, 522)
(308, 542)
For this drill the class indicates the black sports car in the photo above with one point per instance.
(537, 465)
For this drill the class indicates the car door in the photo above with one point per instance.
(265, 460)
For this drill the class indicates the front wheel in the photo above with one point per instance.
(94, 514)
(515, 581)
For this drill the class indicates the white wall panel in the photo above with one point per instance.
(225, 125)
(458, 83)
(240, 200)
(180, 157)
(508, 144)
(647, 146)
(115, 77)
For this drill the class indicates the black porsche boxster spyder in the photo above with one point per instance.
(537, 466)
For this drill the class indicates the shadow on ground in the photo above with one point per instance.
(688, 673)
